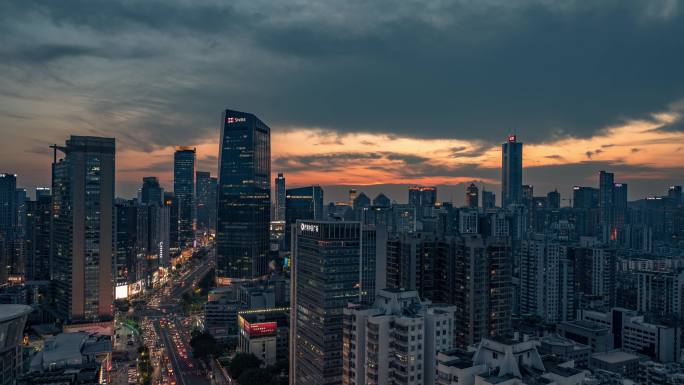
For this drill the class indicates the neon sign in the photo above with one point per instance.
(512, 138)
(235, 120)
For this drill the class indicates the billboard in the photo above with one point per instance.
(121, 292)
(259, 329)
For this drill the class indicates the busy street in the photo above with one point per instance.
(163, 332)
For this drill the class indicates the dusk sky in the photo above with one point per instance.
(355, 92)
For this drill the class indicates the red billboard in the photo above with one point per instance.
(259, 329)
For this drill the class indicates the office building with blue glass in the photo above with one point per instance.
(244, 198)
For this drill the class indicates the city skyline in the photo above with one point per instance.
(577, 107)
(260, 192)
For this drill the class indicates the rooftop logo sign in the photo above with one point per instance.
(235, 120)
(308, 227)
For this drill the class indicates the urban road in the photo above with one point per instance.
(168, 331)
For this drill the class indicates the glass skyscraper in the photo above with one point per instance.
(8, 224)
(280, 197)
(184, 190)
(82, 234)
(302, 203)
(325, 278)
(511, 172)
(244, 197)
(37, 241)
(204, 207)
(151, 192)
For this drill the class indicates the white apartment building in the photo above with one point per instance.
(501, 361)
(634, 334)
(396, 340)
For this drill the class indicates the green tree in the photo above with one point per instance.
(144, 366)
(241, 362)
(255, 376)
(204, 345)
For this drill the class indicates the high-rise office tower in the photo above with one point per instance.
(213, 196)
(606, 203)
(585, 197)
(325, 278)
(472, 196)
(620, 211)
(128, 265)
(528, 195)
(674, 193)
(37, 240)
(8, 225)
(151, 191)
(184, 190)
(171, 202)
(302, 203)
(17, 269)
(424, 196)
(511, 171)
(280, 195)
(82, 234)
(244, 197)
(204, 206)
(488, 199)
(43, 192)
(352, 197)
(553, 200)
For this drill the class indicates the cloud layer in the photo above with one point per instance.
(467, 72)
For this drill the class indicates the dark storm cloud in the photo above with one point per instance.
(406, 158)
(42, 54)
(464, 152)
(462, 69)
(323, 162)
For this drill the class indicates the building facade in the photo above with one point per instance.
(82, 228)
(326, 264)
(184, 190)
(244, 198)
(511, 172)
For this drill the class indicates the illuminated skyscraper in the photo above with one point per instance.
(302, 203)
(82, 228)
(511, 172)
(674, 193)
(472, 196)
(334, 263)
(205, 207)
(280, 193)
(244, 197)
(8, 224)
(184, 190)
(37, 240)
